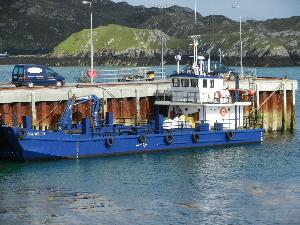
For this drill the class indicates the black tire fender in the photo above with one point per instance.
(229, 135)
(195, 137)
(169, 139)
(109, 141)
(142, 139)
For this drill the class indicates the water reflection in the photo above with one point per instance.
(211, 185)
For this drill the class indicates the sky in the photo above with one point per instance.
(249, 9)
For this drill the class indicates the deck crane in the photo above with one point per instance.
(65, 122)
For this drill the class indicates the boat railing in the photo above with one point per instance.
(176, 124)
(163, 95)
(190, 97)
(183, 96)
(129, 74)
(198, 97)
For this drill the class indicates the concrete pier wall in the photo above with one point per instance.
(273, 102)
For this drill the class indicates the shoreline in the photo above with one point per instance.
(145, 61)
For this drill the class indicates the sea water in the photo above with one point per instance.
(247, 184)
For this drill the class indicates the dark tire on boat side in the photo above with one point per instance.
(109, 141)
(229, 135)
(169, 139)
(195, 137)
(142, 139)
(21, 133)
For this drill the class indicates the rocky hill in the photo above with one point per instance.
(113, 40)
(38, 26)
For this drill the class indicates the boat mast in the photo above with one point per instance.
(208, 61)
(242, 69)
(195, 45)
(195, 12)
(162, 55)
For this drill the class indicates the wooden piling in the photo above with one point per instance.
(33, 108)
(257, 101)
(279, 110)
(137, 106)
(273, 112)
(284, 117)
(293, 119)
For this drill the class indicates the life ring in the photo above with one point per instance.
(169, 139)
(218, 95)
(109, 141)
(21, 133)
(142, 139)
(229, 135)
(195, 137)
(223, 111)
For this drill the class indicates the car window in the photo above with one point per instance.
(16, 69)
(50, 72)
(21, 70)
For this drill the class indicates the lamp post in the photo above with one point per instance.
(242, 70)
(162, 55)
(162, 44)
(92, 47)
(221, 55)
(237, 80)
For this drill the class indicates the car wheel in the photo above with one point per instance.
(59, 84)
(30, 84)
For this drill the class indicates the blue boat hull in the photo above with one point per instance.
(38, 145)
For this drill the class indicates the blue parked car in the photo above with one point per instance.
(31, 74)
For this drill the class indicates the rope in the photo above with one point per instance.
(279, 87)
(113, 97)
(123, 106)
(108, 92)
(38, 122)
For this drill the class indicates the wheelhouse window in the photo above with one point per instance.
(204, 83)
(176, 82)
(212, 83)
(185, 82)
(194, 82)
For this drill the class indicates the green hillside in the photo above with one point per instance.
(112, 37)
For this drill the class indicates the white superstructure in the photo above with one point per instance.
(197, 96)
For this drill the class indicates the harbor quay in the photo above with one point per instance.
(272, 108)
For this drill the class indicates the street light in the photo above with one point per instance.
(242, 70)
(92, 47)
(162, 45)
(237, 80)
(221, 55)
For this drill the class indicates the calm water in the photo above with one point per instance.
(251, 184)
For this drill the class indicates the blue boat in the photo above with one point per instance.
(200, 113)
(92, 138)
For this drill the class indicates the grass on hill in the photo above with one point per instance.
(115, 37)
